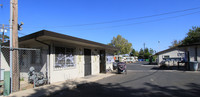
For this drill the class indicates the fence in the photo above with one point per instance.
(23, 60)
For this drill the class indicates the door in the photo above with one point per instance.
(188, 56)
(102, 61)
(87, 58)
(195, 56)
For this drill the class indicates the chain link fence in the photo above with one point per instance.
(31, 65)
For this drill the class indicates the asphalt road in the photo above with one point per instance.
(142, 80)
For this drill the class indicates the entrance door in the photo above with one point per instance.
(87, 56)
(102, 61)
(188, 56)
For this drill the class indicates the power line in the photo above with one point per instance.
(148, 21)
(128, 19)
(137, 22)
(22, 33)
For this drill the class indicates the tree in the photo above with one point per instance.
(175, 43)
(146, 53)
(121, 43)
(141, 54)
(192, 36)
(146, 50)
(134, 53)
(151, 51)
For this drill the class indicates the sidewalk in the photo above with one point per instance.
(49, 89)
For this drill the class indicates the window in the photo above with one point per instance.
(64, 57)
(181, 54)
(166, 56)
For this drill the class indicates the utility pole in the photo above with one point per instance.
(158, 46)
(2, 33)
(15, 83)
(144, 46)
(3, 29)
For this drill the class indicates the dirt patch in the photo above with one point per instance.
(25, 85)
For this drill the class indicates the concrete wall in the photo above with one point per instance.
(172, 54)
(191, 53)
(191, 50)
(160, 59)
(95, 61)
(109, 60)
(77, 71)
(198, 54)
(62, 74)
(4, 60)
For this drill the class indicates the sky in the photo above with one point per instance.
(101, 20)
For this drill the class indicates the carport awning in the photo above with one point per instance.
(45, 35)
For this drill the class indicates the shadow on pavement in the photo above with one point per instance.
(153, 63)
(94, 89)
(116, 90)
(181, 68)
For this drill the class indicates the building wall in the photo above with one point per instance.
(172, 54)
(191, 53)
(95, 61)
(62, 74)
(160, 58)
(77, 71)
(109, 60)
(198, 54)
(4, 62)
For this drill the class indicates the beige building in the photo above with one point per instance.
(61, 57)
(170, 56)
(192, 51)
(182, 53)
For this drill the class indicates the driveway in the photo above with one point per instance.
(141, 66)
(142, 80)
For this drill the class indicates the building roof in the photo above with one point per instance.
(170, 49)
(44, 34)
(177, 47)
